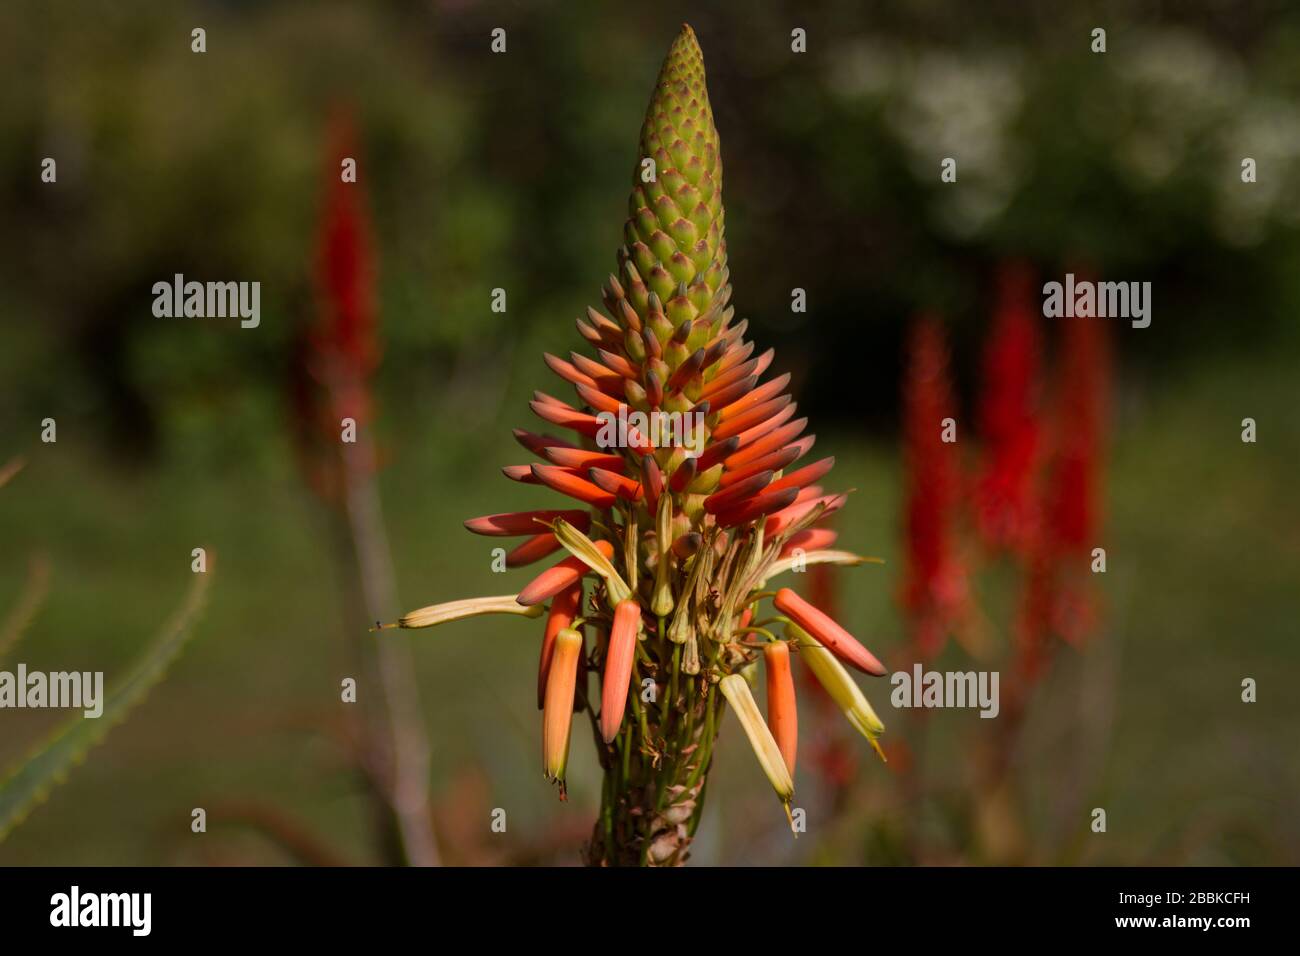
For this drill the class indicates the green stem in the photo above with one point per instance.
(672, 693)
(706, 744)
(627, 754)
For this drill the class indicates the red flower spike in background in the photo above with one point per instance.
(343, 343)
(935, 592)
(1058, 598)
(337, 353)
(1081, 412)
(1008, 416)
(335, 358)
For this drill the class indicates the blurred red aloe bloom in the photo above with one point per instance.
(934, 595)
(335, 355)
(334, 359)
(1081, 413)
(1008, 416)
(346, 334)
(1059, 598)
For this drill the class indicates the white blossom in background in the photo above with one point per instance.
(941, 103)
(1267, 130)
(1176, 90)
(963, 106)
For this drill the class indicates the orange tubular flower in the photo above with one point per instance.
(781, 714)
(534, 549)
(618, 667)
(525, 522)
(689, 460)
(564, 608)
(557, 710)
(814, 539)
(835, 639)
(559, 577)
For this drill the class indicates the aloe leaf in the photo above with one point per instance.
(28, 784)
(29, 602)
(11, 468)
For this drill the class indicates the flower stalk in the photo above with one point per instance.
(336, 360)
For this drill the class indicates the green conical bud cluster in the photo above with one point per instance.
(674, 262)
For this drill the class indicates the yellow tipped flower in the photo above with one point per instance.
(586, 551)
(736, 690)
(809, 558)
(662, 602)
(839, 684)
(557, 712)
(564, 608)
(470, 607)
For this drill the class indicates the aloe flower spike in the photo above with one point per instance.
(674, 530)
